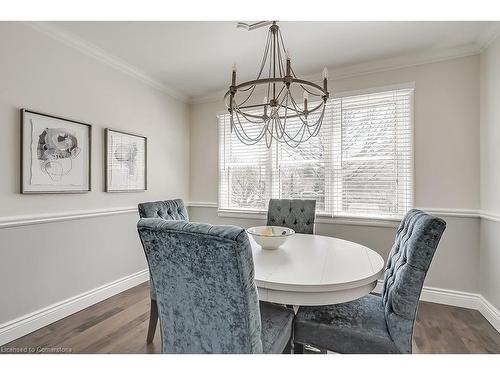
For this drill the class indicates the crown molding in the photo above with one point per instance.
(102, 56)
(398, 62)
(404, 61)
(488, 36)
(376, 66)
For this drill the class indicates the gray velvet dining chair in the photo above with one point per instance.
(206, 293)
(173, 209)
(378, 324)
(297, 214)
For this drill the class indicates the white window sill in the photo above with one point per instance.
(320, 218)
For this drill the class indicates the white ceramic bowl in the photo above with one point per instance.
(270, 237)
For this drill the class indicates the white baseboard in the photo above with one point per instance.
(38, 319)
(450, 297)
(489, 312)
(460, 299)
(31, 322)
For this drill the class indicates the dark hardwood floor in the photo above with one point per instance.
(120, 323)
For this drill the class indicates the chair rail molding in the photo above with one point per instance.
(33, 219)
(491, 216)
(22, 220)
(450, 212)
(202, 204)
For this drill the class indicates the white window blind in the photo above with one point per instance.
(360, 164)
(244, 171)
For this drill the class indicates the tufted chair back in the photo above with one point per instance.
(173, 209)
(169, 210)
(416, 241)
(204, 279)
(297, 214)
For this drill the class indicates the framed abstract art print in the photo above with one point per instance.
(126, 161)
(55, 154)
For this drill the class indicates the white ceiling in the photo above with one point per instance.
(195, 58)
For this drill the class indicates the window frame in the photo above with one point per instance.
(329, 217)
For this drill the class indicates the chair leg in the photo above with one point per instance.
(153, 320)
(288, 347)
(298, 348)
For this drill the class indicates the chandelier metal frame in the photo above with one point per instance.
(279, 105)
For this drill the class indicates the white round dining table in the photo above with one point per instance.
(313, 270)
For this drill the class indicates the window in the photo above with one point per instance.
(360, 164)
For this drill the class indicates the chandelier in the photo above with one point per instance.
(277, 114)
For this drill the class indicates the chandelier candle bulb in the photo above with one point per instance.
(233, 77)
(325, 79)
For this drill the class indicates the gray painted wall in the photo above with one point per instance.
(490, 173)
(44, 264)
(39, 268)
(489, 270)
